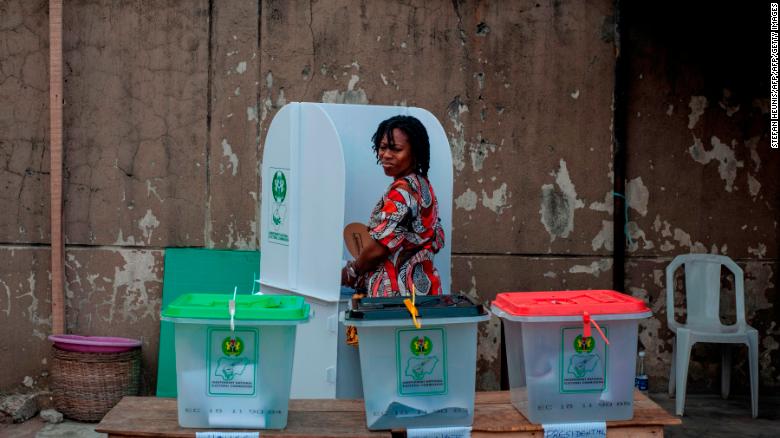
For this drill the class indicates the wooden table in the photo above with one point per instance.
(494, 417)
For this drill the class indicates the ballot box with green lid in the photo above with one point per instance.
(234, 358)
(571, 355)
(417, 377)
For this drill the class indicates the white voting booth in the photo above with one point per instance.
(320, 174)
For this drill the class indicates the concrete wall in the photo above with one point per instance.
(701, 175)
(167, 106)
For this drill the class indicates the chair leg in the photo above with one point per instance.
(725, 372)
(752, 337)
(682, 357)
(671, 373)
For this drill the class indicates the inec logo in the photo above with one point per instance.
(279, 187)
(584, 345)
(421, 345)
(232, 346)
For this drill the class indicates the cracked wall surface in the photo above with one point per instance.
(25, 314)
(24, 121)
(167, 106)
(233, 170)
(135, 117)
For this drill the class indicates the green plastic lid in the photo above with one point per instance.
(248, 307)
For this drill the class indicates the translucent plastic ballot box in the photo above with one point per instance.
(571, 355)
(234, 371)
(418, 377)
(319, 174)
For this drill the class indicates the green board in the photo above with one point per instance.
(196, 270)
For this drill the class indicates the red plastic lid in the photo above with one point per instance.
(568, 303)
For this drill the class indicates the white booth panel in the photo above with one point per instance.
(302, 233)
(274, 263)
(365, 179)
(321, 221)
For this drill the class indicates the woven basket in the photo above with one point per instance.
(87, 385)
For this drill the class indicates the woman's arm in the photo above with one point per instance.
(369, 258)
(372, 255)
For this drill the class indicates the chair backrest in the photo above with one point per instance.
(702, 289)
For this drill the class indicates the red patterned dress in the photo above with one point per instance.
(406, 221)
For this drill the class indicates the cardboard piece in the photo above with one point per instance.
(355, 237)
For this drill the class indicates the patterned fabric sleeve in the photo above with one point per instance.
(438, 239)
(396, 205)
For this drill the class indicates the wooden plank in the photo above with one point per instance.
(493, 414)
(619, 432)
(55, 175)
(327, 405)
(158, 417)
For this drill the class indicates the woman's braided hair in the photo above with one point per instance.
(418, 139)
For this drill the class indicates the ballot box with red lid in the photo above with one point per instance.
(571, 355)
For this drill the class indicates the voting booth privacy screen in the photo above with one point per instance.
(319, 173)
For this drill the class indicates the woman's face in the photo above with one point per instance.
(397, 160)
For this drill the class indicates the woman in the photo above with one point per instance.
(404, 226)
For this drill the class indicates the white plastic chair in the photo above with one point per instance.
(702, 294)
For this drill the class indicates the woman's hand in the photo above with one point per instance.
(349, 275)
(372, 255)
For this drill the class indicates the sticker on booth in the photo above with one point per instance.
(583, 361)
(421, 357)
(232, 362)
(278, 230)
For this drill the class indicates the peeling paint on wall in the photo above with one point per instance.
(457, 138)
(605, 237)
(152, 190)
(227, 152)
(637, 195)
(467, 200)
(607, 206)
(238, 241)
(41, 326)
(637, 235)
(478, 152)
(753, 186)
(147, 224)
(130, 300)
(697, 104)
(121, 241)
(251, 113)
(684, 240)
(498, 201)
(351, 95)
(759, 252)
(558, 205)
(721, 152)
(594, 269)
(7, 297)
